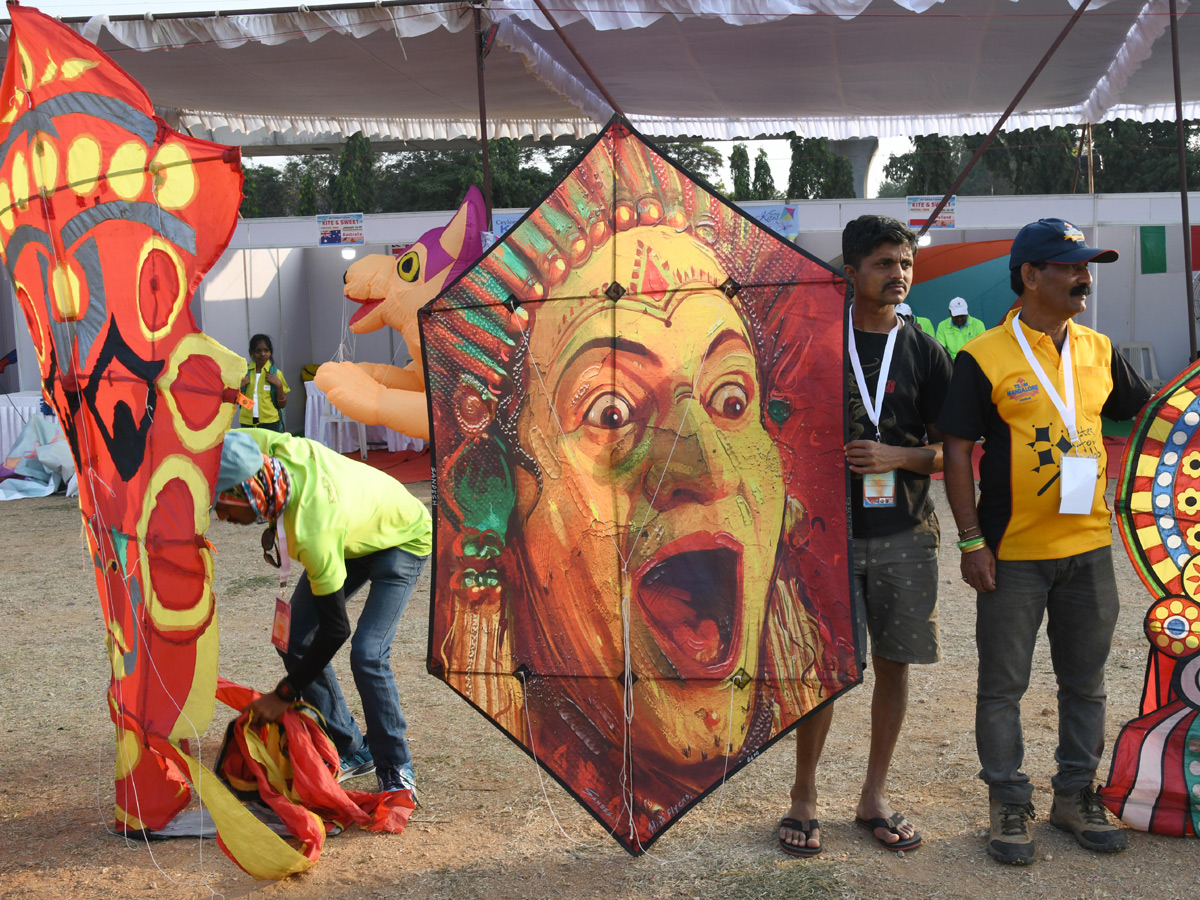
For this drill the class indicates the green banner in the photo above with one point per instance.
(1154, 249)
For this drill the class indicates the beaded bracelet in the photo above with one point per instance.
(971, 544)
(963, 532)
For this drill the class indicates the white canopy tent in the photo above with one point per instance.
(718, 69)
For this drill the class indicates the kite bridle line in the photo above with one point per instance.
(542, 780)
(93, 480)
(627, 675)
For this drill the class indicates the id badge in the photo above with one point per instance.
(879, 489)
(282, 626)
(1077, 477)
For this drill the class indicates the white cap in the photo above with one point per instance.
(903, 309)
(958, 307)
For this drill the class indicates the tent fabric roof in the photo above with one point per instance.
(717, 69)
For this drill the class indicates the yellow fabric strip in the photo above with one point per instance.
(253, 846)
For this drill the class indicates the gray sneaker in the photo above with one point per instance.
(1082, 814)
(357, 764)
(1010, 840)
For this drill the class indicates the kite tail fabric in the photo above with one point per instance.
(293, 767)
(1155, 770)
(1154, 782)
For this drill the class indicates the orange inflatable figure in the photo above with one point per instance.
(391, 291)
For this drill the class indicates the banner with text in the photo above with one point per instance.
(919, 208)
(341, 228)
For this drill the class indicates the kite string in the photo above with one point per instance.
(94, 481)
(348, 341)
(566, 445)
(542, 781)
(627, 798)
(664, 859)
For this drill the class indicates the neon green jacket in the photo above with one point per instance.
(341, 508)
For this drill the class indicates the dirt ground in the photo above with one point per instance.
(492, 826)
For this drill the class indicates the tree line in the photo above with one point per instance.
(1127, 157)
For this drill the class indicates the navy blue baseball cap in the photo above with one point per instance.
(1054, 241)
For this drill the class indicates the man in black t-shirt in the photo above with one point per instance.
(898, 380)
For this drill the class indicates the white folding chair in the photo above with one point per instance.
(1140, 357)
(332, 416)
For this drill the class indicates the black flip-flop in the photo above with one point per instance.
(892, 825)
(801, 850)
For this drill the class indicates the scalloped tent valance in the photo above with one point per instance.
(718, 69)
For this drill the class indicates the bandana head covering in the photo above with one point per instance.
(249, 476)
(268, 490)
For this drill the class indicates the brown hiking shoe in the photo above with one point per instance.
(1082, 814)
(1010, 840)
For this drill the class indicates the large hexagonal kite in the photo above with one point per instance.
(637, 405)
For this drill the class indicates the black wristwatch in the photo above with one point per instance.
(286, 691)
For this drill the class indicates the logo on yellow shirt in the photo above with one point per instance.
(1023, 391)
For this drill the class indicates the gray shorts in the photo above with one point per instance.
(895, 593)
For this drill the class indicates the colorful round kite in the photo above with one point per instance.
(1154, 784)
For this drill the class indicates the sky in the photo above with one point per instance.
(779, 156)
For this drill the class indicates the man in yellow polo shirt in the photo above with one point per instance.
(1039, 541)
(347, 524)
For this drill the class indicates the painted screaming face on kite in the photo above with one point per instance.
(640, 494)
(675, 499)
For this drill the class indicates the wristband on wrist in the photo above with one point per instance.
(286, 691)
(972, 549)
(973, 543)
(963, 532)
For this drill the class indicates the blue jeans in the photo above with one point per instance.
(1079, 596)
(392, 574)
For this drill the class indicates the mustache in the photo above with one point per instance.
(892, 284)
(1081, 290)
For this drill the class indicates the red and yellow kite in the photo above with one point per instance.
(108, 222)
(1154, 784)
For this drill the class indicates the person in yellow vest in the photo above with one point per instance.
(266, 387)
(1037, 543)
(954, 332)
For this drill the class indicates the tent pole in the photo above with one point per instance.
(579, 59)
(1091, 160)
(962, 176)
(1078, 157)
(1181, 136)
(483, 140)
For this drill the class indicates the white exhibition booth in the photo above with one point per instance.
(275, 278)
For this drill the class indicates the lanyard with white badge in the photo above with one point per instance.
(879, 488)
(1077, 474)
